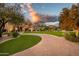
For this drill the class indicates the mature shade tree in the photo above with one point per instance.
(8, 14)
(65, 19)
(68, 18)
(74, 15)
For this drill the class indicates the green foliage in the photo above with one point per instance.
(71, 36)
(43, 28)
(6, 33)
(15, 34)
(9, 14)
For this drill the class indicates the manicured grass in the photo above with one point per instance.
(19, 44)
(56, 33)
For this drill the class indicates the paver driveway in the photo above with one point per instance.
(51, 46)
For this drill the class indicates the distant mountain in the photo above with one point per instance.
(52, 19)
(47, 18)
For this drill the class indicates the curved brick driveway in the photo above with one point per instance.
(51, 46)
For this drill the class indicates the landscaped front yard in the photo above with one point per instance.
(18, 44)
(23, 42)
(56, 33)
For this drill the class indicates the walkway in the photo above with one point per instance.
(51, 46)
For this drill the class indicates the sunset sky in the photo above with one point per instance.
(50, 8)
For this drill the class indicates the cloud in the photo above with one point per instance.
(52, 23)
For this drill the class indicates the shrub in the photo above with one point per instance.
(4, 33)
(71, 36)
(15, 34)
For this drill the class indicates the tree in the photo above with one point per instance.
(65, 19)
(9, 15)
(74, 15)
(68, 18)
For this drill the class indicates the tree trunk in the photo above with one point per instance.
(0, 35)
(77, 33)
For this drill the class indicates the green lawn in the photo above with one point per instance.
(19, 44)
(56, 33)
